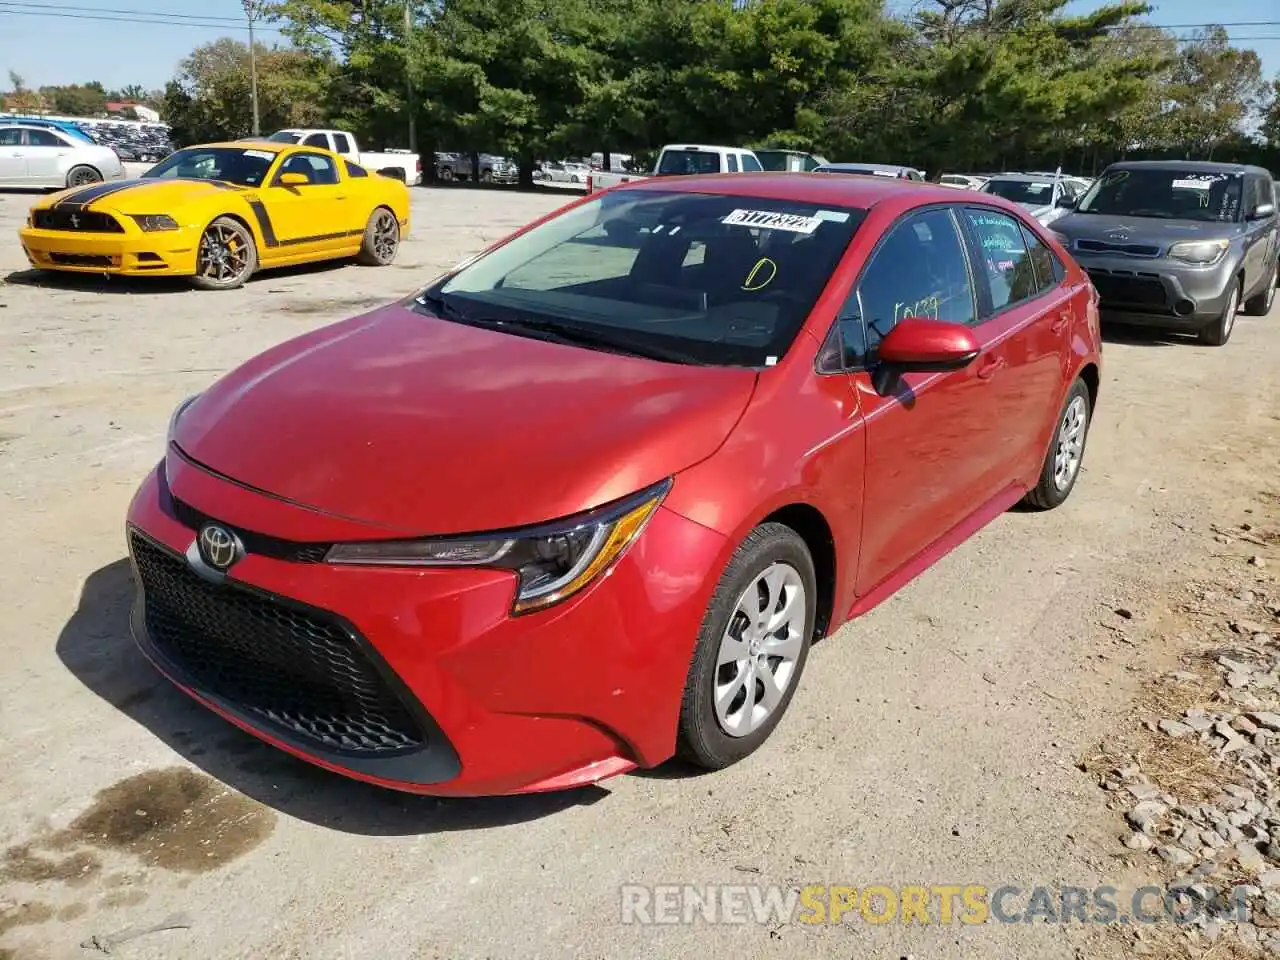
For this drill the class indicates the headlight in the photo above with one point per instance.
(552, 561)
(1199, 251)
(177, 415)
(152, 222)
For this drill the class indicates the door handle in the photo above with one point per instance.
(341, 196)
(989, 367)
(1060, 321)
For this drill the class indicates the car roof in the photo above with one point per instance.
(1198, 166)
(862, 192)
(882, 167)
(272, 145)
(1028, 177)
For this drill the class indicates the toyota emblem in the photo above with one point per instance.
(218, 546)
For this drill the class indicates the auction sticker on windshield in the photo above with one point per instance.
(1191, 184)
(771, 220)
(260, 154)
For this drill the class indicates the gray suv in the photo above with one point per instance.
(1182, 245)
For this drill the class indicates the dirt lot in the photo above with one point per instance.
(934, 741)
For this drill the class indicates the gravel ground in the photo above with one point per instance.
(938, 740)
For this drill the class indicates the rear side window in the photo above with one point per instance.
(733, 163)
(1047, 268)
(11, 137)
(1005, 263)
(316, 140)
(355, 170)
(341, 144)
(750, 164)
(44, 138)
(919, 270)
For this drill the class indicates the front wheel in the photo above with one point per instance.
(82, 176)
(1217, 333)
(226, 257)
(751, 649)
(381, 239)
(1066, 451)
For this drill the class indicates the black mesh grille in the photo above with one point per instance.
(258, 543)
(1128, 249)
(291, 666)
(1144, 290)
(82, 259)
(81, 221)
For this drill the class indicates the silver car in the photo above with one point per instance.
(37, 156)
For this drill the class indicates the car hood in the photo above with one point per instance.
(1150, 230)
(143, 194)
(425, 426)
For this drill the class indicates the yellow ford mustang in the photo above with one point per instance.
(218, 212)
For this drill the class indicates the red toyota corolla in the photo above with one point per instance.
(584, 502)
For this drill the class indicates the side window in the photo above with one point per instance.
(1005, 260)
(355, 170)
(1047, 268)
(750, 164)
(1266, 193)
(11, 137)
(341, 144)
(919, 270)
(1251, 199)
(317, 140)
(733, 162)
(318, 169)
(43, 138)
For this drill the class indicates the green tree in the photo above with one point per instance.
(1215, 88)
(77, 100)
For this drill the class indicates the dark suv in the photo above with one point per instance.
(1177, 244)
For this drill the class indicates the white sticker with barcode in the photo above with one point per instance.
(770, 220)
(260, 154)
(1191, 184)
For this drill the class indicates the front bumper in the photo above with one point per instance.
(131, 253)
(499, 704)
(1157, 292)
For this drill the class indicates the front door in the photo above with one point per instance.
(311, 216)
(929, 444)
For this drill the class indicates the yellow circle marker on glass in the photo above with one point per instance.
(754, 282)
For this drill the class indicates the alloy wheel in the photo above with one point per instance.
(386, 236)
(223, 256)
(83, 177)
(759, 649)
(1229, 318)
(1071, 432)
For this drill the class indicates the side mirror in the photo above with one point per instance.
(922, 345)
(1262, 211)
(1066, 203)
(292, 180)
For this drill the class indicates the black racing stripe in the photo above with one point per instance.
(82, 198)
(264, 222)
(321, 236)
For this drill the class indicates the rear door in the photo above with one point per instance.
(1026, 318)
(13, 160)
(931, 445)
(45, 151)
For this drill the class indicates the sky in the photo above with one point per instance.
(64, 45)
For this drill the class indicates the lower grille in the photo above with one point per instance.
(79, 221)
(82, 260)
(294, 667)
(1143, 290)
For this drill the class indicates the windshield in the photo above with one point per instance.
(246, 167)
(1037, 193)
(686, 277)
(1169, 194)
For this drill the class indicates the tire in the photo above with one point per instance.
(706, 737)
(1065, 456)
(238, 260)
(381, 239)
(486, 176)
(1217, 333)
(446, 174)
(1259, 305)
(82, 176)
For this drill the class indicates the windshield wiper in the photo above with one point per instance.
(608, 338)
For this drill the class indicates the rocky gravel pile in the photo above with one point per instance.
(1203, 795)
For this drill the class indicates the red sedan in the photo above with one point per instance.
(585, 502)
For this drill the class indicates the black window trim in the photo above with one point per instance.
(1059, 269)
(975, 250)
(823, 363)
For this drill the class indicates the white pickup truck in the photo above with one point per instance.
(400, 164)
(683, 159)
